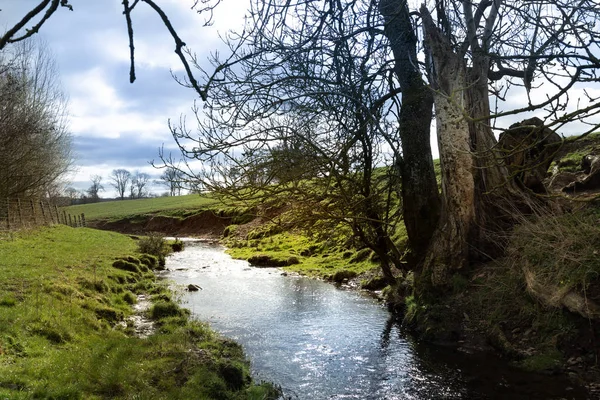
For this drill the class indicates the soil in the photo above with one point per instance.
(205, 224)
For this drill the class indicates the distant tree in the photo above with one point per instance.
(73, 194)
(120, 179)
(95, 189)
(173, 179)
(35, 145)
(138, 188)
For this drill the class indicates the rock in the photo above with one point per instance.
(530, 148)
(193, 288)
(591, 180)
(590, 163)
(560, 180)
(342, 276)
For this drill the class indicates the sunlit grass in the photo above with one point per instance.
(125, 208)
(64, 331)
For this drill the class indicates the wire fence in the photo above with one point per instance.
(28, 213)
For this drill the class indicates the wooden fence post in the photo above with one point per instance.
(33, 212)
(43, 213)
(83, 220)
(20, 212)
(8, 214)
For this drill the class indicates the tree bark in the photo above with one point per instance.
(449, 249)
(420, 195)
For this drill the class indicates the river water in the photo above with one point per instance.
(321, 342)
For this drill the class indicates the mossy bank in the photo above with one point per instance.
(66, 298)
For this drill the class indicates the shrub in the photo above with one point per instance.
(154, 244)
(177, 245)
(109, 314)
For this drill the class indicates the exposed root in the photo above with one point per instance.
(558, 297)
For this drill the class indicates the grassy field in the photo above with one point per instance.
(64, 331)
(125, 208)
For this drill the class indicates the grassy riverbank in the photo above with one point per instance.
(65, 331)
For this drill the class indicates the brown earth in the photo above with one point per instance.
(205, 224)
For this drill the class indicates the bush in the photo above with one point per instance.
(154, 244)
(177, 245)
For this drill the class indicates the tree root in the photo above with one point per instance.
(558, 297)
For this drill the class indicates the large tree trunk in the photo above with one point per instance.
(449, 249)
(480, 201)
(420, 196)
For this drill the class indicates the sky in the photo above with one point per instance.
(116, 124)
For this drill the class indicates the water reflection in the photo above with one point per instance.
(320, 342)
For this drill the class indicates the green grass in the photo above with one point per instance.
(322, 259)
(64, 332)
(127, 208)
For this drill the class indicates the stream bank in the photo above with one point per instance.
(549, 341)
(319, 341)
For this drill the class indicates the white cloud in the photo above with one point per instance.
(97, 109)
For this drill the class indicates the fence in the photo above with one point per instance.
(28, 213)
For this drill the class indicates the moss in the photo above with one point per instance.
(360, 255)
(341, 276)
(375, 283)
(548, 360)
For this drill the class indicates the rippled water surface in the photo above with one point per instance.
(321, 342)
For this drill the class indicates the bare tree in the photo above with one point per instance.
(471, 50)
(307, 117)
(35, 145)
(73, 194)
(139, 182)
(120, 179)
(95, 188)
(174, 179)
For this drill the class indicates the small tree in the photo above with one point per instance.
(35, 145)
(138, 188)
(173, 179)
(95, 189)
(120, 179)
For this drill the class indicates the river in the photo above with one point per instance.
(318, 341)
